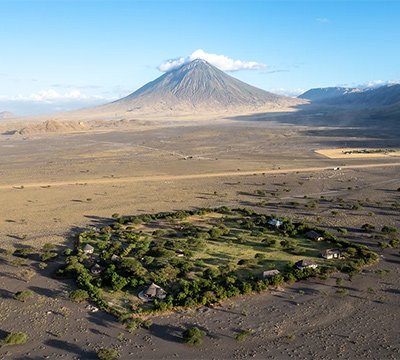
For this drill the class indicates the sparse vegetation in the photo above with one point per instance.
(193, 336)
(291, 337)
(107, 354)
(368, 151)
(23, 295)
(243, 334)
(389, 229)
(342, 291)
(79, 295)
(15, 338)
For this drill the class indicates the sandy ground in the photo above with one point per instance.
(52, 186)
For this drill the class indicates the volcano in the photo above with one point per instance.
(199, 87)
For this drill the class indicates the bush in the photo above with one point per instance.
(17, 338)
(48, 255)
(368, 227)
(389, 229)
(394, 243)
(23, 295)
(79, 295)
(242, 335)
(48, 247)
(107, 354)
(42, 266)
(133, 324)
(23, 252)
(342, 291)
(147, 323)
(193, 336)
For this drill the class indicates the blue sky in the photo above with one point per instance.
(61, 54)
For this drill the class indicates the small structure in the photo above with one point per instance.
(313, 235)
(88, 249)
(179, 253)
(305, 264)
(115, 257)
(152, 292)
(92, 308)
(96, 269)
(269, 273)
(331, 254)
(275, 223)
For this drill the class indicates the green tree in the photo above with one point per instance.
(78, 295)
(193, 336)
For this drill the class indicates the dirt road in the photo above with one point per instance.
(133, 179)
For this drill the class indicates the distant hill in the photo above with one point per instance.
(383, 96)
(322, 94)
(198, 87)
(6, 115)
(387, 95)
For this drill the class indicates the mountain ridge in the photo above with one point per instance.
(199, 86)
(383, 96)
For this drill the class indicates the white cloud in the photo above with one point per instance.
(288, 92)
(220, 61)
(377, 83)
(52, 96)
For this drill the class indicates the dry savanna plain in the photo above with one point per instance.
(54, 185)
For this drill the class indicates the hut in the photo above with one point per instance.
(96, 269)
(269, 273)
(313, 235)
(88, 249)
(331, 254)
(115, 257)
(152, 292)
(305, 264)
(275, 223)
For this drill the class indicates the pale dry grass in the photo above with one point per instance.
(342, 153)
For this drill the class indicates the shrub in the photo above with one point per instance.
(17, 338)
(48, 247)
(193, 336)
(147, 323)
(242, 335)
(23, 295)
(291, 337)
(342, 291)
(368, 227)
(42, 266)
(133, 324)
(394, 243)
(269, 242)
(383, 245)
(389, 229)
(48, 255)
(23, 252)
(107, 354)
(79, 295)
